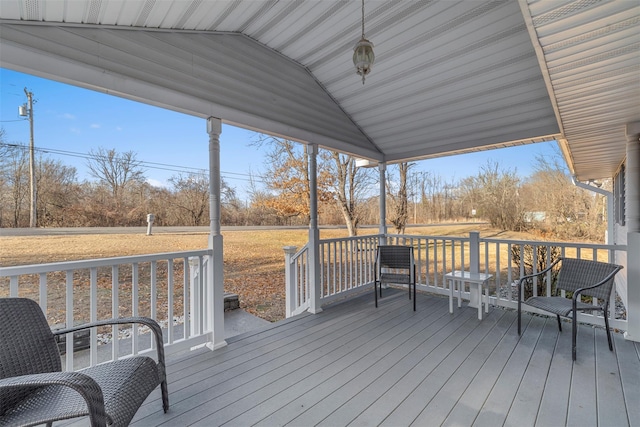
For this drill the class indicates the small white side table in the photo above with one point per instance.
(458, 278)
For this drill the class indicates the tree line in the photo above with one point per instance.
(119, 194)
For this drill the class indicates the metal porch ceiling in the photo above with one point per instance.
(449, 77)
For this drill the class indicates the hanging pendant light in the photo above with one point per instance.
(363, 56)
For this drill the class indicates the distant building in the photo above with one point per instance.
(535, 216)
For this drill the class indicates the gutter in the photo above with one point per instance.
(609, 195)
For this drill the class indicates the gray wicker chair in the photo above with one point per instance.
(579, 277)
(398, 259)
(33, 390)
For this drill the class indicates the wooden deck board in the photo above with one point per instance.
(340, 386)
(416, 363)
(472, 400)
(437, 367)
(357, 365)
(582, 399)
(628, 357)
(524, 409)
(439, 408)
(612, 410)
(555, 397)
(259, 378)
(338, 365)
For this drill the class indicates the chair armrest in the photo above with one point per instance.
(152, 324)
(530, 276)
(83, 384)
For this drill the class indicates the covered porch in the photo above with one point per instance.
(354, 364)
(451, 77)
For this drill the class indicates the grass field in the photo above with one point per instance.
(253, 260)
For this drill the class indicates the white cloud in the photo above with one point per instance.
(157, 183)
(118, 128)
(95, 126)
(68, 116)
(75, 130)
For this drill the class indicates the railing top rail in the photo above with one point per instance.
(581, 245)
(301, 251)
(343, 239)
(421, 236)
(551, 243)
(101, 262)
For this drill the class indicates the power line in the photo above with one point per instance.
(149, 165)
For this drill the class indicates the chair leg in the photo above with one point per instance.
(375, 292)
(414, 296)
(165, 396)
(606, 324)
(559, 323)
(574, 332)
(519, 315)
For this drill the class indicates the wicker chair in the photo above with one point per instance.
(398, 259)
(33, 390)
(579, 277)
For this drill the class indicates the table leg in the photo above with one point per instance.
(486, 297)
(450, 296)
(479, 285)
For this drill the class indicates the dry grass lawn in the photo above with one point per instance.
(253, 260)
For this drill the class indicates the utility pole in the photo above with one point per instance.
(27, 110)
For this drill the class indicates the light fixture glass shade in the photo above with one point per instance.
(363, 57)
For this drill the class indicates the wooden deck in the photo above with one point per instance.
(357, 365)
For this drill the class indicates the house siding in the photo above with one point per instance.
(620, 231)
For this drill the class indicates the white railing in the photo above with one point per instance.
(296, 272)
(346, 265)
(157, 286)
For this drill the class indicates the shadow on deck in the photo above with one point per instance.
(356, 365)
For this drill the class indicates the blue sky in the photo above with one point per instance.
(76, 121)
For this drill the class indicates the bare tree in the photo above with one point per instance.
(4, 146)
(497, 192)
(350, 187)
(14, 177)
(191, 198)
(431, 196)
(116, 171)
(568, 211)
(57, 192)
(399, 198)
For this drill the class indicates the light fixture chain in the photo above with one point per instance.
(362, 18)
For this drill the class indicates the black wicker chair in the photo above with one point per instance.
(579, 277)
(33, 390)
(399, 260)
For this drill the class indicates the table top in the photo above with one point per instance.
(467, 275)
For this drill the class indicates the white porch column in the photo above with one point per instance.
(382, 168)
(314, 233)
(215, 282)
(632, 198)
